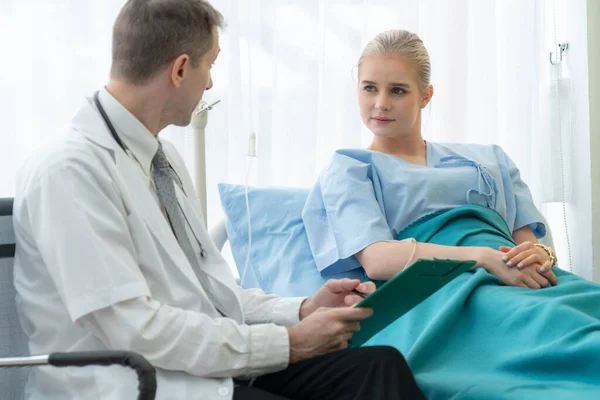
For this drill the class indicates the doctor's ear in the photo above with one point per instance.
(427, 95)
(179, 69)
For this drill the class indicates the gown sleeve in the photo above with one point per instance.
(520, 208)
(344, 213)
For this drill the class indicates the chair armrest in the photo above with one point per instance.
(145, 371)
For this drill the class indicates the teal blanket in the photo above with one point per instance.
(478, 339)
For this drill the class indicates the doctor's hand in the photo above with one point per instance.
(336, 293)
(324, 331)
(492, 261)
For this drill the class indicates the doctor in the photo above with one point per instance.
(112, 252)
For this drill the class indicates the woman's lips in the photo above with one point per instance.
(382, 120)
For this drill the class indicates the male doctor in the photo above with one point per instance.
(112, 252)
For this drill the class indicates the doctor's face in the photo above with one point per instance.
(389, 97)
(198, 80)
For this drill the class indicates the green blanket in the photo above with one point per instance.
(478, 339)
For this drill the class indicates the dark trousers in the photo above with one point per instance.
(352, 374)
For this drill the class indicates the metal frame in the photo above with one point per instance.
(145, 371)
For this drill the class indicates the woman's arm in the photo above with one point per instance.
(383, 260)
(524, 234)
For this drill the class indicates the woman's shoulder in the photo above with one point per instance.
(347, 157)
(358, 163)
(356, 154)
(474, 151)
(468, 146)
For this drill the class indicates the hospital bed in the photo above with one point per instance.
(281, 263)
(14, 353)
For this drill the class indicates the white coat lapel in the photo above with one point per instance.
(91, 125)
(139, 198)
(145, 204)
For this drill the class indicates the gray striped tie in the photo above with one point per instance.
(164, 179)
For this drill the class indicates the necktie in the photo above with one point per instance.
(164, 179)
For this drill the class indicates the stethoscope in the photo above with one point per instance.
(115, 136)
(109, 124)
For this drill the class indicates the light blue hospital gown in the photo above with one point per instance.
(364, 197)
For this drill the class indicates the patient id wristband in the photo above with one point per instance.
(548, 251)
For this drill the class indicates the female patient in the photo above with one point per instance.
(489, 333)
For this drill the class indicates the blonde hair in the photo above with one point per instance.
(403, 43)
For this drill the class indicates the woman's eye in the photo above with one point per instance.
(369, 88)
(398, 90)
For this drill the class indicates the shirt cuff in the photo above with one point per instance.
(270, 349)
(286, 311)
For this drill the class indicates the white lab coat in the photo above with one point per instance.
(91, 239)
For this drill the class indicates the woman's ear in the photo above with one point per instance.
(427, 95)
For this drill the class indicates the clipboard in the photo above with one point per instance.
(405, 291)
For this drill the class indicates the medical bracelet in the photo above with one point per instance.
(548, 251)
(412, 254)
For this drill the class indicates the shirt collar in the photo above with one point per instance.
(137, 138)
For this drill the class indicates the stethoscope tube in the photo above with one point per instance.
(109, 124)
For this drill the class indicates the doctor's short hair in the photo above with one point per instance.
(149, 34)
(403, 43)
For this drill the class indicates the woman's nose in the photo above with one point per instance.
(383, 102)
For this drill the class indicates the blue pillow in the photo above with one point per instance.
(280, 261)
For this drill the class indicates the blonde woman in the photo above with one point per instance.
(513, 324)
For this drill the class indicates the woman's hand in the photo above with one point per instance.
(492, 261)
(528, 255)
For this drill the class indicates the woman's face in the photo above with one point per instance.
(389, 97)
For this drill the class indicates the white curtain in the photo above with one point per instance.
(287, 72)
